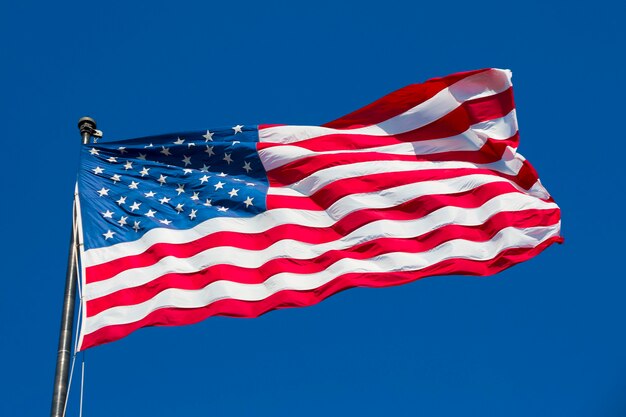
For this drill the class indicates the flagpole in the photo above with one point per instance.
(87, 127)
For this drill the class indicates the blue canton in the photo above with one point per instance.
(174, 181)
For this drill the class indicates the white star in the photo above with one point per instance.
(220, 208)
(103, 192)
(94, 151)
(108, 235)
(149, 194)
(204, 179)
(98, 170)
(133, 185)
(135, 206)
(207, 203)
(227, 158)
(107, 214)
(190, 144)
(192, 215)
(128, 165)
(179, 141)
(208, 136)
(165, 222)
(187, 171)
(162, 179)
(144, 171)
(136, 226)
(209, 150)
(232, 193)
(180, 189)
(116, 178)
(247, 167)
(142, 156)
(205, 168)
(186, 160)
(122, 220)
(122, 149)
(195, 197)
(237, 129)
(219, 185)
(221, 174)
(179, 207)
(149, 145)
(121, 201)
(112, 159)
(165, 151)
(248, 201)
(150, 213)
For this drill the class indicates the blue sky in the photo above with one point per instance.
(544, 338)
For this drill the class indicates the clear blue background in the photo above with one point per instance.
(545, 338)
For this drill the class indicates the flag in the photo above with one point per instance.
(241, 220)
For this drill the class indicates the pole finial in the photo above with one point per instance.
(87, 127)
(86, 123)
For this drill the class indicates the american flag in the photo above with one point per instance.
(241, 220)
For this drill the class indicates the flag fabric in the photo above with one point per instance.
(241, 220)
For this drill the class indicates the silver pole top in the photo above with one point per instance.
(87, 127)
(86, 120)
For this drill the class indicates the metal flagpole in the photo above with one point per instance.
(87, 127)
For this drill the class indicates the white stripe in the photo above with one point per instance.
(288, 248)
(395, 196)
(510, 163)
(258, 224)
(475, 86)
(310, 218)
(500, 128)
(396, 261)
(471, 140)
(539, 191)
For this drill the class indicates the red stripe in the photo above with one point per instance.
(366, 250)
(398, 101)
(290, 298)
(413, 209)
(331, 193)
(299, 169)
(454, 123)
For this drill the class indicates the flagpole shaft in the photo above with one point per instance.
(59, 396)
